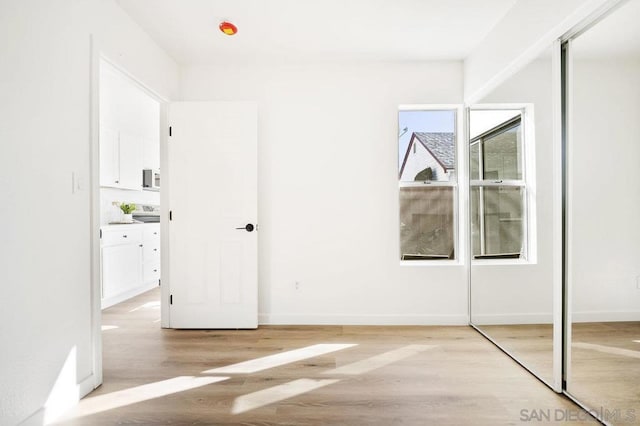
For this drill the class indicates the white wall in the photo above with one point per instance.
(328, 191)
(524, 32)
(605, 199)
(110, 213)
(45, 241)
(523, 293)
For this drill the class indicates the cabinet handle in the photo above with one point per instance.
(155, 233)
(140, 245)
(124, 236)
(117, 181)
(155, 249)
(155, 270)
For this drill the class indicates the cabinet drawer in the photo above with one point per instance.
(151, 234)
(151, 252)
(121, 236)
(151, 271)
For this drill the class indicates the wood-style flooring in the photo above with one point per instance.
(604, 370)
(378, 376)
(532, 344)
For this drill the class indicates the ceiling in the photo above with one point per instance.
(616, 36)
(386, 30)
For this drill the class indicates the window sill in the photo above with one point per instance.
(443, 262)
(502, 262)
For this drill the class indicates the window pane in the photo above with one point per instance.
(426, 223)
(503, 155)
(474, 154)
(476, 236)
(497, 221)
(426, 145)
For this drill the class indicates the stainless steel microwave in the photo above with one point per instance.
(151, 179)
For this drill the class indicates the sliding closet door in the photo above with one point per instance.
(515, 204)
(603, 212)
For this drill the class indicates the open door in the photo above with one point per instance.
(213, 243)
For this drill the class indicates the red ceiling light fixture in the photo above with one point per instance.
(228, 28)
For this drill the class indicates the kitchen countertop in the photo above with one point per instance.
(127, 225)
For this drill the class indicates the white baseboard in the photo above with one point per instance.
(546, 318)
(113, 300)
(608, 316)
(324, 319)
(506, 319)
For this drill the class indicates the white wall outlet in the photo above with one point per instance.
(297, 285)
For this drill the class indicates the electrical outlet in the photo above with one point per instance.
(297, 284)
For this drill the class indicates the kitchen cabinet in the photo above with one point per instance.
(130, 161)
(151, 253)
(129, 130)
(109, 157)
(151, 154)
(120, 160)
(130, 261)
(120, 268)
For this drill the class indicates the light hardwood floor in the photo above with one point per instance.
(605, 369)
(605, 363)
(390, 376)
(532, 344)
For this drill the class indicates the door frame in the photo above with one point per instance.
(97, 54)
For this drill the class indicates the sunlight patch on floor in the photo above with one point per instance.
(148, 305)
(276, 360)
(258, 399)
(110, 401)
(109, 327)
(607, 349)
(378, 361)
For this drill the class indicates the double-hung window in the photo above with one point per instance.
(498, 193)
(427, 160)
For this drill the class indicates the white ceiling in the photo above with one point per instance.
(616, 36)
(403, 30)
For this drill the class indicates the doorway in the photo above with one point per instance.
(127, 121)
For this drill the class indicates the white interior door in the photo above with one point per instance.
(213, 249)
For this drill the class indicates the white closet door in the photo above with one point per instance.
(213, 243)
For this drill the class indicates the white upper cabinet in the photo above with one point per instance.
(129, 130)
(109, 157)
(130, 161)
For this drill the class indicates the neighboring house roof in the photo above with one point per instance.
(440, 145)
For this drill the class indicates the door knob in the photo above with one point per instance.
(249, 227)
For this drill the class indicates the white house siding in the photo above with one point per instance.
(420, 160)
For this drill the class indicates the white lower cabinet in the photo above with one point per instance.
(151, 253)
(130, 261)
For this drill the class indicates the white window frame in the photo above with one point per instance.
(459, 190)
(527, 183)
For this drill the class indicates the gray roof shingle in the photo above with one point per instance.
(441, 146)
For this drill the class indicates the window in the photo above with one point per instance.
(498, 189)
(427, 183)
